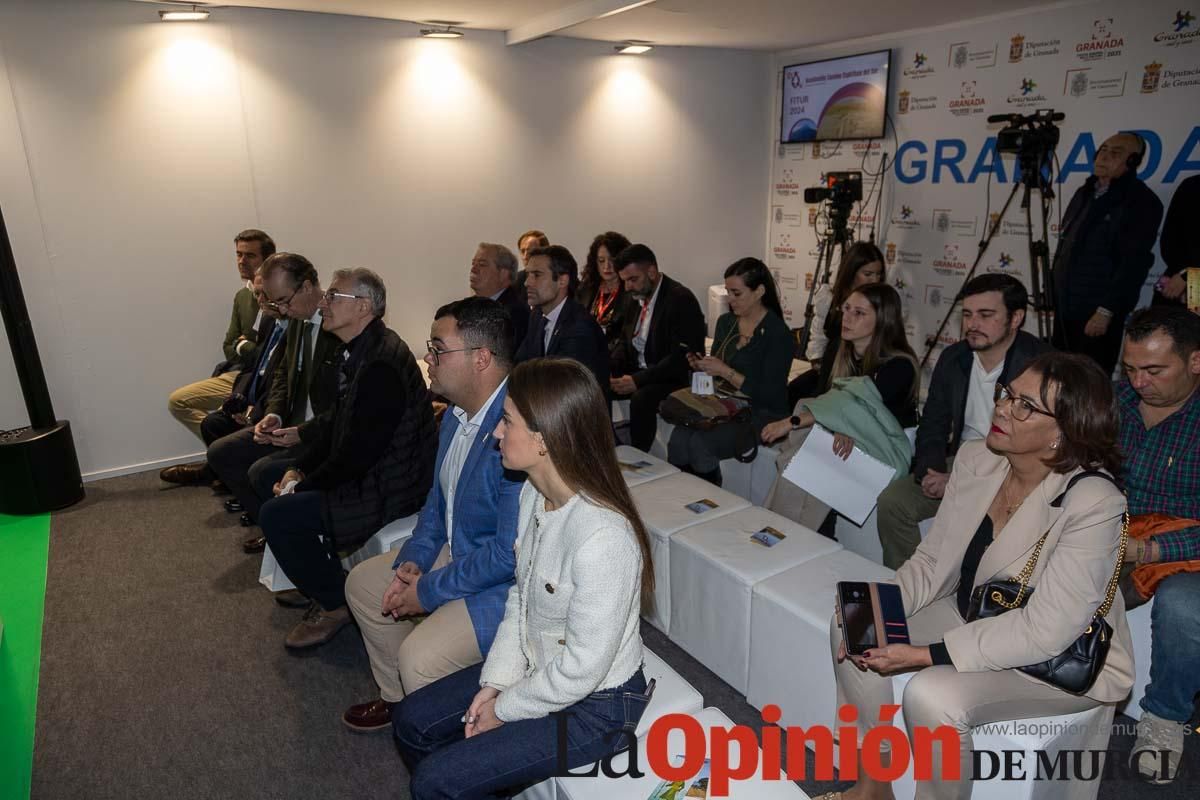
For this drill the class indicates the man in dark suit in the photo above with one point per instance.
(304, 385)
(1104, 252)
(493, 272)
(559, 326)
(245, 403)
(368, 461)
(667, 326)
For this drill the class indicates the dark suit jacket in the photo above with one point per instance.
(262, 389)
(940, 431)
(518, 308)
(1104, 252)
(576, 335)
(676, 328)
(290, 390)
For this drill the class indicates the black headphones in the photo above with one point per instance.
(1135, 159)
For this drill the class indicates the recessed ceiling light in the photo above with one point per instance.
(447, 32)
(193, 14)
(633, 48)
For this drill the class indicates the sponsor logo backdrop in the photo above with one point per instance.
(1107, 66)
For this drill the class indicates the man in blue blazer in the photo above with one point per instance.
(459, 563)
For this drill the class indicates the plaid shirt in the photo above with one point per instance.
(1162, 469)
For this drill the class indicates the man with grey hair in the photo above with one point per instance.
(493, 274)
(366, 462)
(1104, 252)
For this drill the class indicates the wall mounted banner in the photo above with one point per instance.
(1107, 66)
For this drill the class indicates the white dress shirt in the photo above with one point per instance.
(642, 332)
(314, 331)
(456, 454)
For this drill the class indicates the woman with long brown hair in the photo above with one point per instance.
(570, 636)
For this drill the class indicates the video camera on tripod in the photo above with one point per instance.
(841, 188)
(1031, 137)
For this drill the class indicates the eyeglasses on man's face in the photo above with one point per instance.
(436, 353)
(333, 294)
(1020, 408)
(279, 305)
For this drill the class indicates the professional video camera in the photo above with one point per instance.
(841, 188)
(1028, 135)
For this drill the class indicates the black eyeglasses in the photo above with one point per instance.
(437, 354)
(1022, 409)
(279, 304)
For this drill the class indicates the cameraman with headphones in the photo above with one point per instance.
(1104, 252)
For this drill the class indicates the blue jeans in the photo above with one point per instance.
(444, 765)
(1174, 648)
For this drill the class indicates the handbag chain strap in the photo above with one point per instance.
(1027, 572)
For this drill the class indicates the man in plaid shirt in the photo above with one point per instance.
(1159, 407)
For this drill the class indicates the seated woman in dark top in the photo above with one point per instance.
(873, 344)
(600, 290)
(862, 265)
(1006, 493)
(751, 356)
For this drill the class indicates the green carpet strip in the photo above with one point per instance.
(23, 551)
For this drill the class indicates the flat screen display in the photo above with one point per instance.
(840, 98)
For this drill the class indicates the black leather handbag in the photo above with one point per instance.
(1076, 668)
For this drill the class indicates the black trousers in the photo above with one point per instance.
(216, 425)
(643, 413)
(1069, 337)
(293, 525)
(246, 467)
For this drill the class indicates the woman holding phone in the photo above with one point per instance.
(569, 640)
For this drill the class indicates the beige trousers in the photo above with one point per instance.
(407, 655)
(192, 403)
(786, 498)
(941, 695)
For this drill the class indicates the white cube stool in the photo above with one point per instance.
(672, 695)
(714, 568)
(627, 788)
(790, 662)
(1139, 630)
(390, 537)
(658, 448)
(1086, 730)
(663, 505)
(754, 480)
(651, 467)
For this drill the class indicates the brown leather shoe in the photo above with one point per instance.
(255, 544)
(317, 627)
(188, 474)
(369, 717)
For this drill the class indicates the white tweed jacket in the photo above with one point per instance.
(570, 623)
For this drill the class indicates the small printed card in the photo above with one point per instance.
(697, 787)
(634, 466)
(702, 384)
(768, 537)
(700, 506)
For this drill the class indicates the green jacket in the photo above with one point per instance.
(764, 362)
(855, 408)
(241, 324)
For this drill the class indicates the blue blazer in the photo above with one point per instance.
(486, 505)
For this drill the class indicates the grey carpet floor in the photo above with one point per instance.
(164, 675)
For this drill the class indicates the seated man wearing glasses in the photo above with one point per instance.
(458, 565)
(367, 461)
(992, 351)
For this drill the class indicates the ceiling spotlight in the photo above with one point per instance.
(447, 32)
(193, 14)
(633, 48)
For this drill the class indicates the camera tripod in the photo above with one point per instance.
(1035, 174)
(838, 238)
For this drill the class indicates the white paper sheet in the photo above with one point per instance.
(850, 487)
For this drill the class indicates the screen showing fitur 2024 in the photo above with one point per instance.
(841, 98)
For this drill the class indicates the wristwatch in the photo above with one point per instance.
(795, 423)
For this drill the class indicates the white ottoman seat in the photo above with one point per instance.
(662, 504)
(790, 663)
(647, 467)
(714, 568)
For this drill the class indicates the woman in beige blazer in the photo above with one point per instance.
(1053, 421)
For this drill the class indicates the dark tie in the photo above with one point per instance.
(305, 345)
(262, 361)
(539, 336)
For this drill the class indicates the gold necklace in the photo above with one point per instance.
(1011, 507)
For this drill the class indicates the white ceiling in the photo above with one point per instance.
(744, 24)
